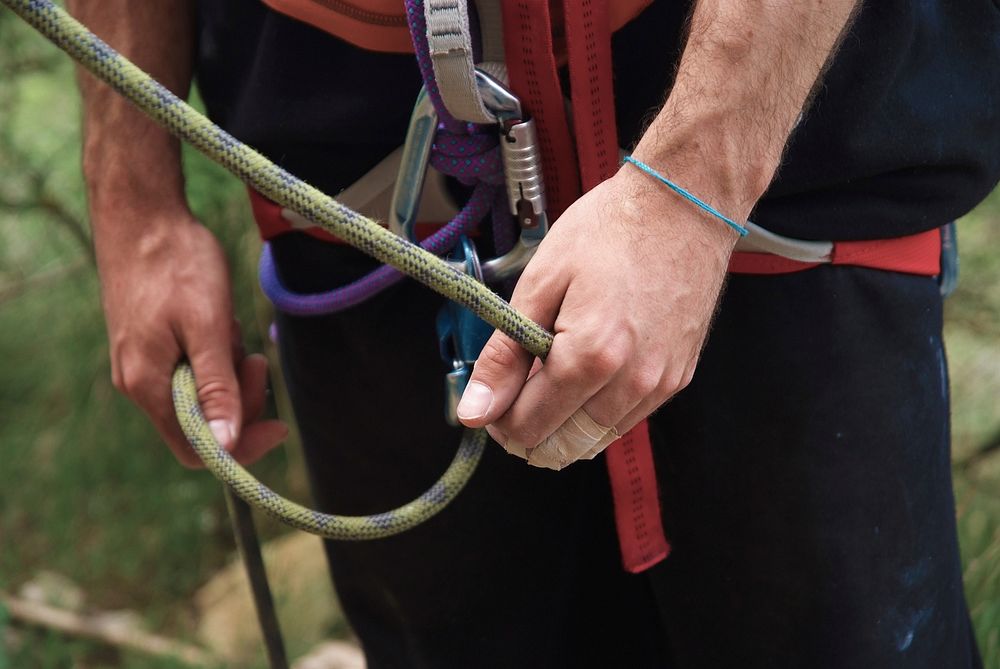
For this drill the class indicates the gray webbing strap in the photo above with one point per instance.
(490, 30)
(764, 241)
(449, 37)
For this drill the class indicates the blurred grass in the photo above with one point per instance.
(86, 488)
(972, 335)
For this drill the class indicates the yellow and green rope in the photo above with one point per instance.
(363, 233)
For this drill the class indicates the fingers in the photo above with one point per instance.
(143, 375)
(257, 437)
(253, 386)
(503, 365)
(495, 382)
(579, 436)
(145, 378)
(529, 431)
(571, 375)
(210, 352)
(670, 387)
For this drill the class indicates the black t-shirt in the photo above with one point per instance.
(903, 136)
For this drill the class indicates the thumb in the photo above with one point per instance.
(503, 365)
(218, 389)
(496, 380)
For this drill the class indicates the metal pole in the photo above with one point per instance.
(249, 547)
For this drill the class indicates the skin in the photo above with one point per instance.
(630, 275)
(628, 278)
(165, 284)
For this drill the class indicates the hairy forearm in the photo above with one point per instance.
(131, 165)
(744, 78)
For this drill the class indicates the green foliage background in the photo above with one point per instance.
(87, 490)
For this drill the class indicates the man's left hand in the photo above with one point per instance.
(627, 280)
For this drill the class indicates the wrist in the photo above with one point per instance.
(712, 157)
(646, 199)
(136, 172)
(128, 238)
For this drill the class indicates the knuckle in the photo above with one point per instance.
(524, 436)
(202, 321)
(213, 391)
(134, 381)
(644, 383)
(671, 384)
(602, 361)
(499, 352)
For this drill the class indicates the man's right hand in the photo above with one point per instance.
(167, 296)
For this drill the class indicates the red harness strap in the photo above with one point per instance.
(271, 223)
(531, 63)
(630, 460)
(913, 254)
(534, 77)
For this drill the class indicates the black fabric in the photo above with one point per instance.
(805, 480)
(904, 134)
(521, 570)
(808, 481)
(804, 473)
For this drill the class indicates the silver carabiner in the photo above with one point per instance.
(522, 174)
(413, 168)
(522, 167)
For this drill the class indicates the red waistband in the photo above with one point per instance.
(913, 254)
(271, 223)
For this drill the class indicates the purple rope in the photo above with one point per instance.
(338, 299)
(469, 158)
(466, 151)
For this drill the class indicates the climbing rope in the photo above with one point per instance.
(363, 233)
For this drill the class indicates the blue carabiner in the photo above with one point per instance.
(461, 334)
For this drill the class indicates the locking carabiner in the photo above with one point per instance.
(522, 167)
(522, 175)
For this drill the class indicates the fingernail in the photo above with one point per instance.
(476, 401)
(222, 431)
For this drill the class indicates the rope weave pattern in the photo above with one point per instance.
(287, 190)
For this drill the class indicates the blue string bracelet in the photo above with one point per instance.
(701, 204)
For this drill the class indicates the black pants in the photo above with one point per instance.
(804, 474)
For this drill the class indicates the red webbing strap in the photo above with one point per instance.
(588, 46)
(531, 67)
(637, 512)
(914, 254)
(630, 459)
(271, 223)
